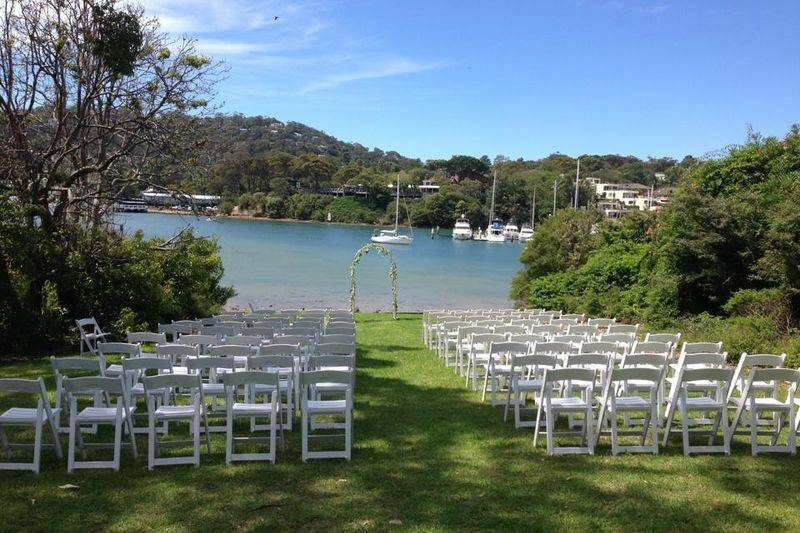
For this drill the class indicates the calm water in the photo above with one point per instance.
(290, 264)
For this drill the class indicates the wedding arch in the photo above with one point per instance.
(384, 251)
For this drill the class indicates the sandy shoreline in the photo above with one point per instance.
(252, 217)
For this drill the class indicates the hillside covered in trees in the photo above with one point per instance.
(720, 262)
(287, 170)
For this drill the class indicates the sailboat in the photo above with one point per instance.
(526, 233)
(392, 236)
(494, 233)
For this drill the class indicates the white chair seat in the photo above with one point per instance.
(213, 388)
(639, 384)
(632, 401)
(259, 387)
(529, 384)
(24, 415)
(326, 406)
(100, 414)
(772, 403)
(568, 403)
(169, 412)
(252, 408)
(180, 370)
(330, 387)
(113, 370)
(502, 369)
(703, 402)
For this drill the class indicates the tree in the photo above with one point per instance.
(313, 171)
(94, 99)
(467, 167)
(95, 102)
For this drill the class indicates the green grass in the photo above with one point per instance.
(427, 456)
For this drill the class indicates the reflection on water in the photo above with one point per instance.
(291, 264)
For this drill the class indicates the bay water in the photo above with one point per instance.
(297, 264)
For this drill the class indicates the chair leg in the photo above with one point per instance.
(37, 446)
(612, 413)
(4, 442)
(151, 442)
(348, 433)
(117, 442)
(304, 433)
(71, 444)
(229, 435)
(753, 434)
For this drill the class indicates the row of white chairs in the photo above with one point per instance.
(651, 377)
(251, 394)
(255, 324)
(210, 358)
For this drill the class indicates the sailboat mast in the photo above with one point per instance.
(397, 205)
(533, 209)
(491, 210)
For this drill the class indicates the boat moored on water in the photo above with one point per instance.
(511, 231)
(462, 230)
(393, 236)
(390, 236)
(526, 233)
(494, 232)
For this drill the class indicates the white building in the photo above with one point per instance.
(613, 198)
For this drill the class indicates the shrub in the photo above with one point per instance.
(351, 209)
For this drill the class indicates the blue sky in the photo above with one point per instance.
(520, 78)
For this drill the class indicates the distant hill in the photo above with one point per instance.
(257, 136)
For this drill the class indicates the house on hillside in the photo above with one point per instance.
(614, 198)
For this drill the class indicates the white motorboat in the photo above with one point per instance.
(526, 233)
(462, 230)
(511, 231)
(494, 233)
(393, 236)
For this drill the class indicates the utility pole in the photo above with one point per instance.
(555, 197)
(577, 177)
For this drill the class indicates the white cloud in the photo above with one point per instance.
(395, 67)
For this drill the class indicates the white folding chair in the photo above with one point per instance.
(163, 388)
(136, 369)
(479, 355)
(601, 322)
(90, 334)
(72, 367)
(497, 368)
(526, 373)
(121, 349)
(39, 417)
(551, 406)
(716, 403)
(239, 353)
(688, 361)
(210, 369)
(119, 416)
(618, 399)
(175, 330)
(143, 338)
(253, 409)
(178, 354)
(673, 338)
(753, 404)
(311, 408)
(284, 364)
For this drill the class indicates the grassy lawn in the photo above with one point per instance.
(427, 455)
